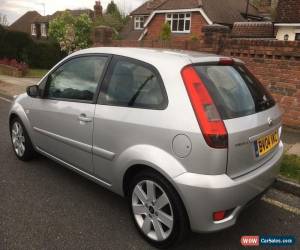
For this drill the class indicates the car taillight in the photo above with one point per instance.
(226, 61)
(210, 122)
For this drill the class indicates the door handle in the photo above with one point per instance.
(84, 118)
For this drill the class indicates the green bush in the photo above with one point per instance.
(70, 32)
(21, 47)
(43, 55)
(165, 33)
(13, 45)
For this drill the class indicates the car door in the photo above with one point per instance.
(132, 98)
(63, 120)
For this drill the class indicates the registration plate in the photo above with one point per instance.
(265, 144)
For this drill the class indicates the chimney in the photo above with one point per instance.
(97, 9)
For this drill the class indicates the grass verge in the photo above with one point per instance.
(36, 73)
(290, 168)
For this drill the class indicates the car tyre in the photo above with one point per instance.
(21, 142)
(157, 210)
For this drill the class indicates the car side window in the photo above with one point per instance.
(77, 79)
(134, 84)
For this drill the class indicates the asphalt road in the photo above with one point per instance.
(45, 206)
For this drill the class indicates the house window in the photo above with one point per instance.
(139, 22)
(297, 37)
(179, 22)
(33, 29)
(43, 29)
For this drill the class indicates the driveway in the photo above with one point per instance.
(46, 206)
(11, 86)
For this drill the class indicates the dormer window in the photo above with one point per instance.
(43, 30)
(33, 29)
(139, 22)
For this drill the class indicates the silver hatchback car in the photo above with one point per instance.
(189, 138)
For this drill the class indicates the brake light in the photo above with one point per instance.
(210, 122)
(226, 61)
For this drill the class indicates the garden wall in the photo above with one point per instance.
(275, 63)
(10, 71)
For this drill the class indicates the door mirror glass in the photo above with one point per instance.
(33, 91)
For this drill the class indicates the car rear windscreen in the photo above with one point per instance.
(235, 91)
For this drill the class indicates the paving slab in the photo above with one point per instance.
(19, 81)
(10, 86)
(294, 150)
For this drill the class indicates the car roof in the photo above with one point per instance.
(153, 54)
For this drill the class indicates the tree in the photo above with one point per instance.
(165, 33)
(112, 9)
(112, 18)
(71, 33)
(3, 20)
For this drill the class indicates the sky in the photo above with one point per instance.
(13, 9)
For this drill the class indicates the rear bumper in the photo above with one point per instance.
(203, 194)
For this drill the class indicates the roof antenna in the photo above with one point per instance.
(247, 9)
(44, 6)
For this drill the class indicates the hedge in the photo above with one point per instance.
(20, 46)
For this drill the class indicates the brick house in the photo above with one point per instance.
(37, 25)
(23, 24)
(287, 21)
(186, 18)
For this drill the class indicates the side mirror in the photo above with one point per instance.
(33, 91)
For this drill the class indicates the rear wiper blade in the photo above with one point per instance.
(133, 99)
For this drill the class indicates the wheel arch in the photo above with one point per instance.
(138, 168)
(17, 111)
(12, 116)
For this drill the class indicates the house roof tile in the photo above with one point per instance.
(228, 11)
(288, 11)
(179, 4)
(253, 30)
(128, 32)
(218, 11)
(147, 7)
(23, 24)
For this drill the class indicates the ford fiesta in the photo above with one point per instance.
(188, 138)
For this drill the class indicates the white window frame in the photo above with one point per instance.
(33, 29)
(139, 22)
(172, 17)
(43, 30)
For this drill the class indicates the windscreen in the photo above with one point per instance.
(235, 91)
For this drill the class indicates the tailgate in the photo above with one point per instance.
(252, 141)
(249, 112)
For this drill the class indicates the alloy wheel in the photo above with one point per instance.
(18, 139)
(152, 210)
